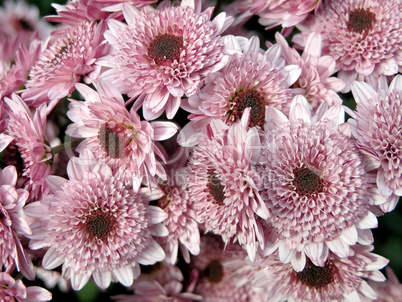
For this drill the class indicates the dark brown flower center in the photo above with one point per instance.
(214, 271)
(317, 276)
(25, 25)
(99, 224)
(307, 181)
(360, 20)
(111, 142)
(250, 98)
(165, 48)
(215, 188)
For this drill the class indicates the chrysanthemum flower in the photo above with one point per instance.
(216, 267)
(314, 83)
(15, 290)
(115, 135)
(75, 11)
(110, 225)
(14, 77)
(19, 25)
(314, 185)
(388, 291)
(12, 200)
(181, 223)
(251, 79)
(363, 36)
(223, 184)
(377, 126)
(338, 279)
(287, 13)
(68, 58)
(28, 132)
(164, 284)
(163, 53)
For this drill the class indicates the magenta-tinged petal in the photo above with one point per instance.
(55, 183)
(38, 294)
(151, 254)
(286, 254)
(102, 279)
(163, 130)
(368, 222)
(79, 280)
(382, 184)
(338, 247)
(299, 261)
(52, 259)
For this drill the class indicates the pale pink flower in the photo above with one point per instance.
(363, 36)
(69, 57)
(12, 200)
(162, 54)
(117, 136)
(338, 279)
(19, 25)
(315, 82)
(51, 279)
(216, 267)
(223, 184)
(181, 223)
(272, 13)
(377, 127)
(251, 79)
(95, 226)
(163, 285)
(315, 186)
(14, 77)
(287, 13)
(75, 11)
(15, 290)
(390, 290)
(28, 131)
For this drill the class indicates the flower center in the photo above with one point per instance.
(214, 271)
(317, 276)
(307, 181)
(99, 224)
(215, 188)
(111, 142)
(165, 48)
(250, 98)
(360, 20)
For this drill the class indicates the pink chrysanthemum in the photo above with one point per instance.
(223, 184)
(110, 224)
(12, 200)
(15, 290)
(75, 11)
(181, 224)
(117, 136)
(338, 279)
(363, 36)
(165, 284)
(251, 79)
(15, 77)
(163, 53)
(314, 83)
(19, 25)
(29, 136)
(377, 126)
(388, 291)
(314, 185)
(68, 59)
(287, 13)
(216, 267)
